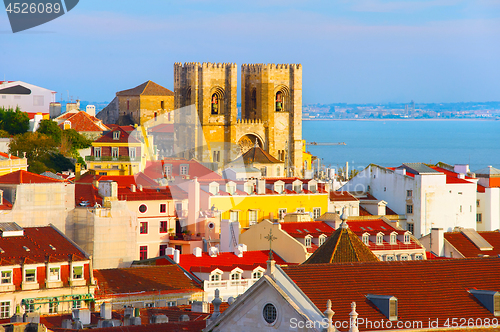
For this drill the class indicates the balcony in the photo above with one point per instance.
(109, 158)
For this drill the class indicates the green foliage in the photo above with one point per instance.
(14, 121)
(58, 163)
(50, 128)
(77, 140)
(4, 133)
(37, 146)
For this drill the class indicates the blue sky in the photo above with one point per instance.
(353, 51)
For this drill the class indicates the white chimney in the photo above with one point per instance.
(464, 168)
(177, 256)
(90, 110)
(213, 251)
(132, 188)
(401, 171)
(261, 186)
(437, 241)
(169, 251)
(106, 310)
(139, 186)
(197, 252)
(461, 175)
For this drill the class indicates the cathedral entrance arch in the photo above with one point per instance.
(247, 141)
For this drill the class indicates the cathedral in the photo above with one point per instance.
(271, 111)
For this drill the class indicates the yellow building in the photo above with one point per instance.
(145, 102)
(306, 158)
(255, 200)
(9, 164)
(116, 153)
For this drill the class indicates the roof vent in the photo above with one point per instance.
(388, 305)
(9, 229)
(26, 248)
(489, 299)
(2, 251)
(52, 247)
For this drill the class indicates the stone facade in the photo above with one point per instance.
(271, 110)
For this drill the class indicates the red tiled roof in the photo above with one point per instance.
(164, 279)
(371, 226)
(21, 176)
(363, 212)
(6, 156)
(6, 205)
(162, 128)
(112, 126)
(31, 115)
(86, 195)
(451, 177)
(123, 181)
(341, 196)
(428, 289)
(467, 248)
(191, 263)
(148, 88)
(481, 189)
(301, 229)
(38, 240)
(155, 169)
(124, 137)
(82, 122)
(257, 155)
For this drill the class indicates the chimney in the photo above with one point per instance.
(213, 251)
(437, 241)
(197, 252)
(139, 186)
(106, 310)
(132, 188)
(401, 171)
(199, 306)
(177, 256)
(461, 175)
(169, 251)
(261, 186)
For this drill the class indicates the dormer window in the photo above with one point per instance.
(407, 238)
(279, 188)
(235, 276)
(184, 169)
(297, 187)
(387, 305)
(67, 124)
(167, 169)
(322, 239)
(116, 135)
(366, 239)
(213, 188)
(489, 299)
(258, 273)
(312, 186)
(308, 241)
(380, 238)
(215, 275)
(231, 188)
(394, 238)
(30, 275)
(248, 188)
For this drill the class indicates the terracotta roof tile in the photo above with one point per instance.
(257, 155)
(39, 241)
(341, 247)
(341, 196)
(467, 248)
(21, 176)
(124, 137)
(148, 88)
(83, 122)
(301, 229)
(165, 279)
(427, 290)
(155, 169)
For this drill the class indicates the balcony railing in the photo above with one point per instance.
(225, 284)
(109, 158)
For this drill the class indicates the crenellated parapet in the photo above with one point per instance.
(259, 67)
(208, 65)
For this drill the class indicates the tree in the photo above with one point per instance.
(14, 121)
(4, 133)
(37, 146)
(50, 128)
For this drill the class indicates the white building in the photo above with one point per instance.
(30, 98)
(428, 196)
(488, 199)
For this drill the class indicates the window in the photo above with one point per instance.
(215, 277)
(231, 188)
(313, 187)
(418, 257)
(144, 227)
(279, 188)
(409, 193)
(216, 156)
(77, 304)
(143, 208)
(67, 125)
(5, 309)
(263, 171)
(380, 239)
(281, 213)
(184, 169)
(278, 171)
(393, 238)
(97, 152)
(410, 227)
(404, 257)
(54, 274)
(270, 314)
(114, 153)
(29, 306)
(279, 101)
(256, 275)
(77, 272)
(301, 210)
(297, 188)
(6, 277)
(168, 170)
(477, 203)
(213, 188)
(30, 275)
(235, 276)
(234, 215)
(171, 303)
(409, 209)
(215, 104)
(308, 241)
(53, 307)
(389, 258)
(116, 135)
(143, 252)
(322, 239)
(365, 239)
(252, 217)
(460, 208)
(316, 212)
(131, 153)
(249, 188)
(163, 249)
(407, 238)
(163, 226)
(479, 217)
(163, 208)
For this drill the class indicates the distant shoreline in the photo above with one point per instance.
(400, 119)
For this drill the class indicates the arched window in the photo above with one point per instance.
(215, 104)
(366, 239)
(308, 241)
(280, 106)
(393, 238)
(322, 239)
(407, 238)
(380, 238)
(278, 171)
